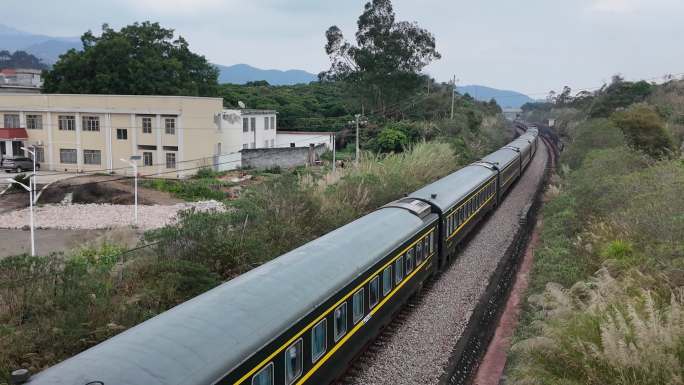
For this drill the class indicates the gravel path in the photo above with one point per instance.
(419, 349)
(100, 216)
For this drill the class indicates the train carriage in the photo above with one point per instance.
(507, 160)
(461, 199)
(296, 319)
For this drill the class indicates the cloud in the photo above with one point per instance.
(614, 6)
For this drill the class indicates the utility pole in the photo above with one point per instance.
(29, 188)
(135, 188)
(453, 96)
(334, 144)
(356, 160)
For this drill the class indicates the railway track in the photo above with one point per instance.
(438, 316)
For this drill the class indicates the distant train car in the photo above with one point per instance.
(507, 160)
(461, 200)
(298, 318)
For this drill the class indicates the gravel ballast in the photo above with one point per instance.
(101, 216)
(419, 349)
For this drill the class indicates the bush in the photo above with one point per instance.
(591, 135)
(390, 140)
(604, 331)
(645, 130)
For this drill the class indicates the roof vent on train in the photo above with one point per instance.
(516, 149)
(419, 208)
(489, 165)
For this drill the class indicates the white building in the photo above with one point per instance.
(244, 129)
(305, 138)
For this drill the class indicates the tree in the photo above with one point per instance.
(20, 59)
(390, 139)
(140, 59)
(645, 130)
(384, 65)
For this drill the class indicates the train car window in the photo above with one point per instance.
(399, 270)
(319, 340)
(373, 292)
(340, 321)
(387, 280)
(432, 242)
(265, 376)
(409, 259)
(293, 362)
(413, 252)
(357, 306)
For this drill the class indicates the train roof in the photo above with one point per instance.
(451, 189)
(503, 157)
(203, 339)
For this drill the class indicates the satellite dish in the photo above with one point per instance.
(241, 104)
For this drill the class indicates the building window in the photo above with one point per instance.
(293, 362)
(357, 306)
(170, 160)
(34, 122)
(273, 123)
(266, 143)
(318, 340)
(292, 144)
(147, 125)
(67, 123)
(170, 126)
(147, 158)
(265, 376)
(12, 121)
(245, 146)
(91, 123)
(245, 125)
(67, 155)
(272, 142)
(92, 157)
(265, 123)
(253, 145)
(253, 123)
(40, 154)
(340, 318)
(122, 134)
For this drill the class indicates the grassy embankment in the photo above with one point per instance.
(55, 306)
(606, 298)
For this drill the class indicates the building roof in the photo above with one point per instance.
(305, 132)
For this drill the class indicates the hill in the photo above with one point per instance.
(243, 73)
(505, 98)
(46, 48)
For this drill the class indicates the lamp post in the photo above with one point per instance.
(135, 189)
(29, 189)
(356, 160)
(33, 155)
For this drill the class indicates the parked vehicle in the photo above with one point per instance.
(17, 164)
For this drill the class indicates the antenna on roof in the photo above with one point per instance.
(241, 104)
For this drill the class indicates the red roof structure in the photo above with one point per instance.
(13, 134)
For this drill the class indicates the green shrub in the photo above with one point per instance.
(645, 130)
(591, 135)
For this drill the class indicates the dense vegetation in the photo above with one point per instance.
(606, 298)
(140, 59)
(20, 59)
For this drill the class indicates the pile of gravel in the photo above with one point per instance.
(420, 347)
(101, 216)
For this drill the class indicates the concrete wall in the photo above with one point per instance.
(265, 158)
(303, 139)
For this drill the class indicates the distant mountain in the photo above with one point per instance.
(47, 48)
(505, 99)
(243, 73)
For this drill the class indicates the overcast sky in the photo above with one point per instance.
(525, 45)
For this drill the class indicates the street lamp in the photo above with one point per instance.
(357, 116)
(33, 153)
(135, 172)
(29, 189)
